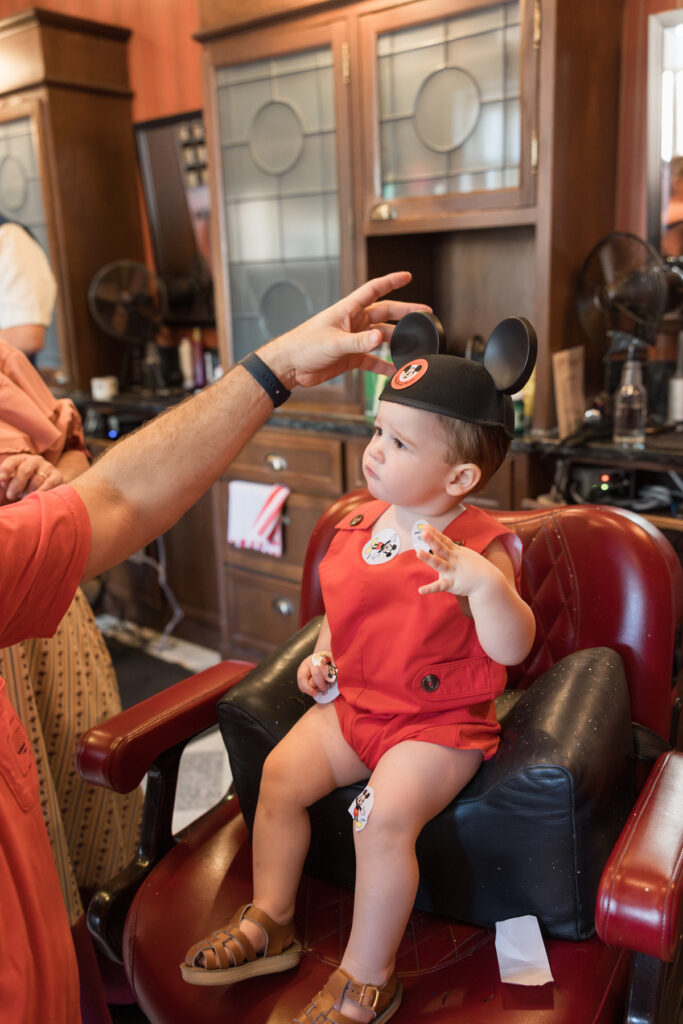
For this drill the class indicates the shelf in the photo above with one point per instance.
(462, 220)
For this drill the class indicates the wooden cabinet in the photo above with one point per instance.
(68, 169)
(493, 208)
(261, 592)
(486, 231)
(448, 115)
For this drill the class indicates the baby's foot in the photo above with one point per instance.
(358, 1002)
(252, 943)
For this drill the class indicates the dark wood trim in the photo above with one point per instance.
(40, 16)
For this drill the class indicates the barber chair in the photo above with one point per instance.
(576, 820)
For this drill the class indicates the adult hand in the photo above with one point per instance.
(342, 337)
(22, 474)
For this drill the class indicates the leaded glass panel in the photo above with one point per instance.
(278, 138)
(449, 104)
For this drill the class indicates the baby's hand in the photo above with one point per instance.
(22, 474)
(316, 673)
(461, 571)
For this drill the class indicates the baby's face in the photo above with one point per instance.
(405, 462)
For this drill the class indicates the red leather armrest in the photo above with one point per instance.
(118, 752)
(639, 899)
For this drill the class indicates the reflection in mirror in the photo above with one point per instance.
(665, 132)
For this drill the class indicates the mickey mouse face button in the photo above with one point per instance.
(409, 374)
(382, 548)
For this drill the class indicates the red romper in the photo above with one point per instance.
(409, 666)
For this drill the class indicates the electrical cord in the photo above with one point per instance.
(160, 567)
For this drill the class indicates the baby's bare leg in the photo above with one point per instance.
(412, 783)
(309, 762)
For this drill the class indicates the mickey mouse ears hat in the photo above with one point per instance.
(429, 378)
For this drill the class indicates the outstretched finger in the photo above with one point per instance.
(393, 309)
(372, 290)
(376, 365)
(437, 587)
(439, 542)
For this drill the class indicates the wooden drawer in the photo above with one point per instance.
(263, 611)
(353, 461)
(301, 513)
(302, 461)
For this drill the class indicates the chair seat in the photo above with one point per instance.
(449, 970)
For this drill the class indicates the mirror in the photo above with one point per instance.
(665, 132)
(175, 180)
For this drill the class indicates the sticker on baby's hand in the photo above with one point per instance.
(323, 659)
(361, 807)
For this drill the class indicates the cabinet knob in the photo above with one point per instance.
(383, 211)
(278, 463)
(283, 606)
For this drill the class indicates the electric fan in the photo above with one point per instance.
(623, 291)
(128, 301)
(626, 294)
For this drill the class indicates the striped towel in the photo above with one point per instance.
(255, 516)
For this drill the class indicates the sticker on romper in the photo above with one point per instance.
(382, 548)
(361, 807)
(324, 658)
(416, 535)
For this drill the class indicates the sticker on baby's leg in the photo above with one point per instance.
(324, 659)
(361, 807)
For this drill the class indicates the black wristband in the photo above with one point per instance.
(264, 376)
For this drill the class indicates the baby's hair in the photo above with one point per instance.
(486, 447)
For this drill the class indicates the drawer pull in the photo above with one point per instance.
(283, 606)
(278, 463)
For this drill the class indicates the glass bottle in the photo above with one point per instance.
(630, 407)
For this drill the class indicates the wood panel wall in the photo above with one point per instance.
(164, 60)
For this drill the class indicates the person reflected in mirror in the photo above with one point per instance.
(672, 225)
(27, 289)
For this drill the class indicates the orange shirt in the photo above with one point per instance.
(44, 543)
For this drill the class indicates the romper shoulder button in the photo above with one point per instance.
(430, 683)
(356, 520)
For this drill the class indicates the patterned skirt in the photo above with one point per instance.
(59, 688)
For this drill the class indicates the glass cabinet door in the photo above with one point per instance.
(452, 105)
(283, 191)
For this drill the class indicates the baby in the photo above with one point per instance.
(422, 615)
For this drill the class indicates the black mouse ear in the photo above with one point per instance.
(416, 335)
(510, 354)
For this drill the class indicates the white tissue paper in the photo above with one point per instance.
(522, 958)
(255, 516)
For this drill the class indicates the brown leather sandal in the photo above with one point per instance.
(325, 1008)
(229, 956)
